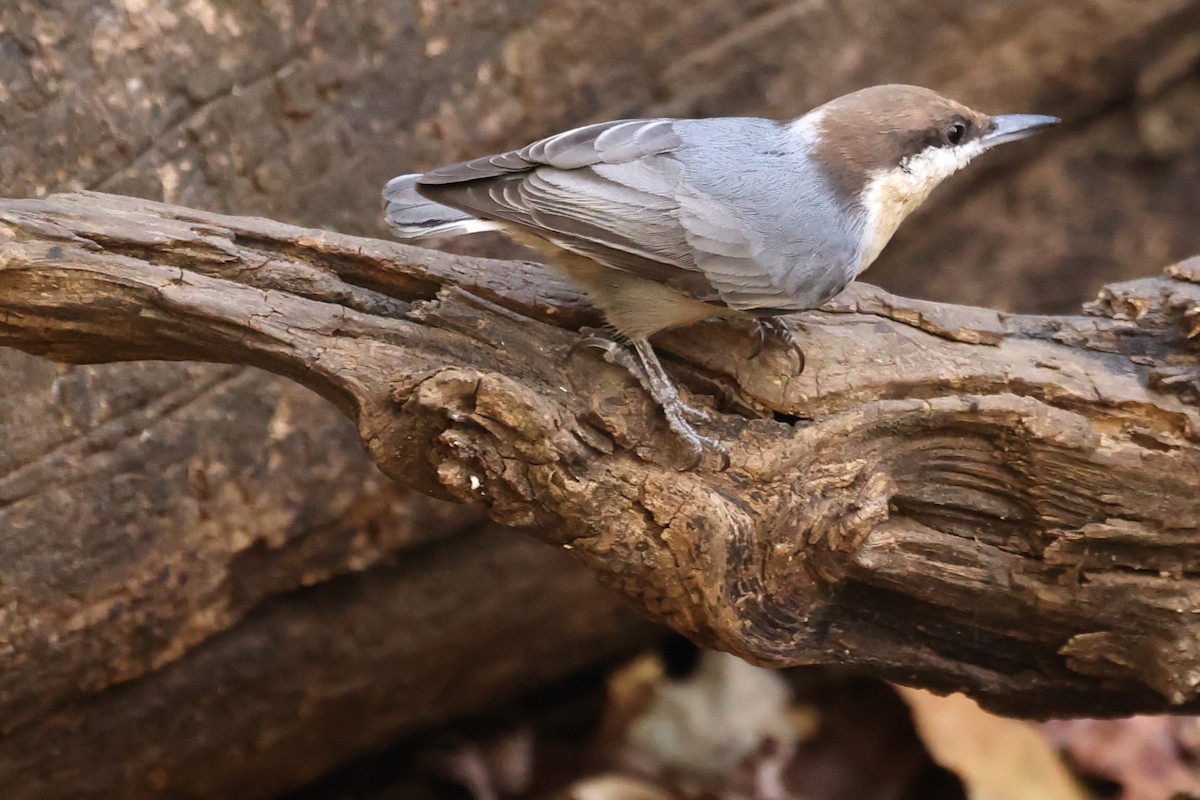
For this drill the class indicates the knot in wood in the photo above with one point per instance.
(485, 434)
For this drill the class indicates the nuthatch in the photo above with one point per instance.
(667, 222)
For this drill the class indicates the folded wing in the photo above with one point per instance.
(618, 193)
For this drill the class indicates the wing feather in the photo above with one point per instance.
(618, 193)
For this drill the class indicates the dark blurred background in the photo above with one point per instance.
(205, 587)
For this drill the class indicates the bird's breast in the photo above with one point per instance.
(890, 195)
(888, 198)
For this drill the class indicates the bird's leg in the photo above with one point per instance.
(775, 326)
(654, 379)
(660, 386)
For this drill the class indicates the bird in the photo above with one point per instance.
(668, 222)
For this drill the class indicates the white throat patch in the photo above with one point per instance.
(891, 195)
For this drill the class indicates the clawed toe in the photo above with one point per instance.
(696, 414)
(597, 342)
(777, 328)
(702, 445)
(678, 414)
(760, 338)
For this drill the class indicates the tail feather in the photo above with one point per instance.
(411, 216)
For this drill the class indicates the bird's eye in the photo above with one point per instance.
(955, 132)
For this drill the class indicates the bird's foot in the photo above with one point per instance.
(779, 329)
(649, 372)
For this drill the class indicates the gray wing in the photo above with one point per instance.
(619, 193)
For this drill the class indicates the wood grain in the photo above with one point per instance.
(951, 497)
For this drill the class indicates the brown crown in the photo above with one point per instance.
(879, 127)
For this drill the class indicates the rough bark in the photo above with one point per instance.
(298, 110)
(318, 677)
(148, 509)
(948, 496)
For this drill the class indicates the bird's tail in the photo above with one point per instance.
(411, 216)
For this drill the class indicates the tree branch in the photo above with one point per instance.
(950, 497)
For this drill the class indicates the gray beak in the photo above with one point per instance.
(1014, 127)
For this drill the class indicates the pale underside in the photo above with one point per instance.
(891, 195)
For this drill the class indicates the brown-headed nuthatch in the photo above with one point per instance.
(667, 222)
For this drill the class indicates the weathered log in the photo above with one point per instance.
(321, 676)
(148, 509)
(297, 110)
(951, 497)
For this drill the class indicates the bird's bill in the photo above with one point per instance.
(1014, 127)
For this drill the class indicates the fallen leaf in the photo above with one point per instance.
(996, 758)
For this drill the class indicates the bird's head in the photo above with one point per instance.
(884, 149)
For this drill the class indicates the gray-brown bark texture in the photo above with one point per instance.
(152, 516)
(950, 496)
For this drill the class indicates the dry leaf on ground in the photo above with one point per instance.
(996, 758)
